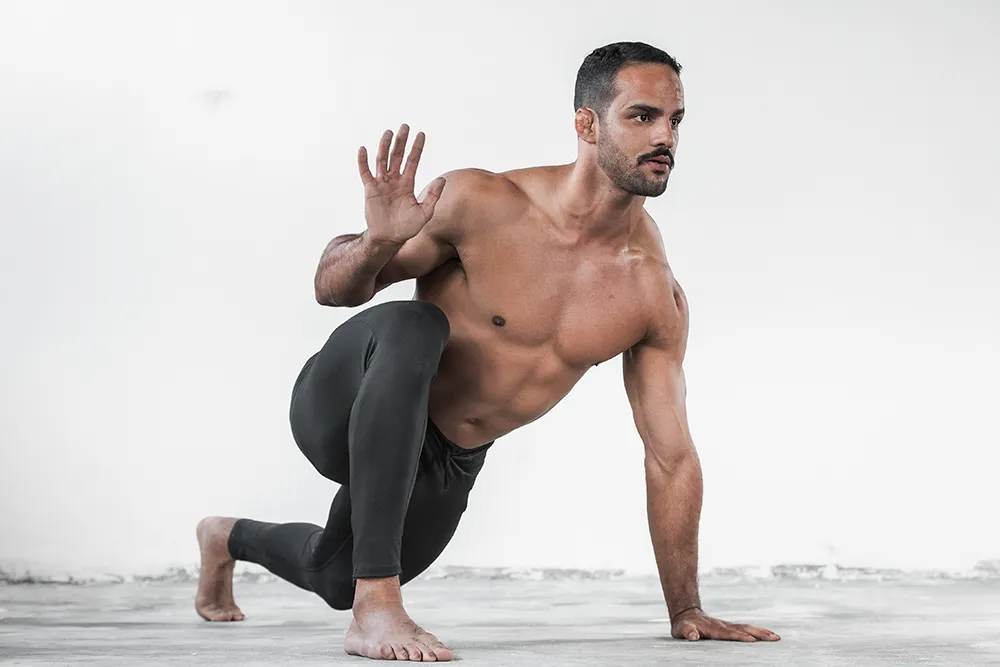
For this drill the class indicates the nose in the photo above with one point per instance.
(665, 135)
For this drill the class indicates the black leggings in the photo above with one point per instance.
(359, 414)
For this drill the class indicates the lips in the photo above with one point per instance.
(661, 161)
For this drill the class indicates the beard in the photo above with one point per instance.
(626, 173)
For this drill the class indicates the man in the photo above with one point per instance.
(525, 280)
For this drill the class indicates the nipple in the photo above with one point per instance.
(499, 321)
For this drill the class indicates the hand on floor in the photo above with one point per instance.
(694, 624)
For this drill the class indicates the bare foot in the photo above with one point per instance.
(214, 601)
(382, 629)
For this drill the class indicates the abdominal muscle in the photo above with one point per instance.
(486, 387)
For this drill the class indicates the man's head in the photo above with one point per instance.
(630, 102)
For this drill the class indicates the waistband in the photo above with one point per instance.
(453, 449)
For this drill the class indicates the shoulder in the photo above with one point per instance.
(478, 186)
(472, 196)
(664, 300)
(469, 197)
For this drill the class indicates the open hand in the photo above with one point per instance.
(693, 625)
(392, 212)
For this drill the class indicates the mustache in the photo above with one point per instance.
(664, 153)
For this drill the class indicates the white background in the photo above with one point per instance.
(171, 172)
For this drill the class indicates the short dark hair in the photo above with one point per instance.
(595, 81)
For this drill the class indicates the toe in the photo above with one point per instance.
(400, 652)
(414, 653)
(385, 652)
(426, 654)
(441, 652)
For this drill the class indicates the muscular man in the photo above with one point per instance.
(525, 280)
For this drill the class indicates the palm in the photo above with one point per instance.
(392, 211)
(391, 198)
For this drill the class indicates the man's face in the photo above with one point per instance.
(637, 136)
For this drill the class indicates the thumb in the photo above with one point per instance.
(433, 194)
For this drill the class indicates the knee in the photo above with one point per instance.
(339, 597)
(425, 317)
(415, 328)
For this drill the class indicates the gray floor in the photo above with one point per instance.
(490, 622)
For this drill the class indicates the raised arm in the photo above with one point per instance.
(406, 236)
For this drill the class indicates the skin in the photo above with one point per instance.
(544, 273)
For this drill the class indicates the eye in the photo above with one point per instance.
(674, 122)
(643, 115)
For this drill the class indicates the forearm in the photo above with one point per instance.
(348, 269)
(674, 499)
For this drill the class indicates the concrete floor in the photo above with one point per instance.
(492, 623)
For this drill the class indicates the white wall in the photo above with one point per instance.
(170, 173)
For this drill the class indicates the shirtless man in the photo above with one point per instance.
(525, 280)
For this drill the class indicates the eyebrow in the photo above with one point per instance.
(645, 108)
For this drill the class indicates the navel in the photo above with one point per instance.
(499, 321)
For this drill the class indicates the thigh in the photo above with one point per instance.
(323, 396)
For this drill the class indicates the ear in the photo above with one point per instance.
(586, 125)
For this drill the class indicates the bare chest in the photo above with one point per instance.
(581, 305)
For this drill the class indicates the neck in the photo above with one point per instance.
(591, 207)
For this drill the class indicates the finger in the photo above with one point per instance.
(396, 158)
(383, 153)
(410, 170)
(716, 629)
(366, 173)
(759, 633)
(729, 634)
(432, 195)
(690, 632)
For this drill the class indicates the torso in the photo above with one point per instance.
(530, 312)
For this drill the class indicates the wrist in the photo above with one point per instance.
(380, 242)
(674, 617)
(377, 244)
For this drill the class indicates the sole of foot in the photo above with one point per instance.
(214, 600)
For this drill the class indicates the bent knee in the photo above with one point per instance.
(339, 597)
(424, 315)
(415, 327)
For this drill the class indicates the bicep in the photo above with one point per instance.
(656, 386)
(657, 391)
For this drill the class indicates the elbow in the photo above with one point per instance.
(325, 297)
(667, 465)
(324, 294)
(325, 301)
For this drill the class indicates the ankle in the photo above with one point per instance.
(380, 593)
